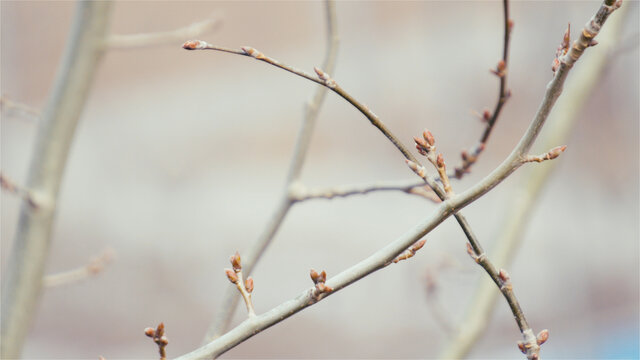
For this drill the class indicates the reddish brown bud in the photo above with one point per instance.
(486, 115)
(314, 276)
(543, 336)
(421, 143)
(428, 136)
(160, 329)
(252, 52)
(150, 332)
(327, 288)
(440, 161)
(510, 24)
(521, 347)
(323, 276)
(231, 275)
(194, 45)
(163, 341)
(503, 275)
(418, 245)
(556, 151)
(248, 284)
(235, 262)
(501, 66)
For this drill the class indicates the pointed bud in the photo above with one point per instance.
(503, 275)
(323, 276)
(231, 275)
(543, 336)
(470, 251)
(160, 329)
(248, 284)
(314, 276)
(421, 142)
(418, 245)
(251, 52)
(556, 151)
(521, 347)
(235, 262)
(510, 24)
(428, 137)
(440, 161)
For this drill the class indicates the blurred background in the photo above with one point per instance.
(180, 158)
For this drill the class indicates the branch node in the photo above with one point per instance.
(244, 287)
(319, 280)
(159, 338)
(549, 155)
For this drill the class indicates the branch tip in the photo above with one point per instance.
(195, 45)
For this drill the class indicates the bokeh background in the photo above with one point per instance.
(180, 158)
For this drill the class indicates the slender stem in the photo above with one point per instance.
(136, 41)
(230, 299)
(561, 123)
(22, 280)
(301, 193)
(503, 95)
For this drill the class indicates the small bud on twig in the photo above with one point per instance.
(194, 45)
(549, 155)
(248, 284)
(542, 337)
(235, 262)
(411, 251)
(231, 275)
(248, 50)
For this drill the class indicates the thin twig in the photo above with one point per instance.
(137, 41)
(159, 338)
(22, 279)
(300, 193)
(94, 267)
(447, 208)
(13, 187)
(560, 125)
(230, 298)
(490, 119)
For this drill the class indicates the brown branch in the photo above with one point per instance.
(301, 193)
(490, 118)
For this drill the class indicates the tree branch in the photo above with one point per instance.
(230, 298)
(447, 208)
(22, 280)
(561, 123)
(503, 95)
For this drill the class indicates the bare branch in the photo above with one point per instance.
(560, 125)
(22, 280)
(95, 266)
(244, 287)
(447, 208)
(230, 298)
(549, 155)
(490, 118)
(136, 41)
(301, 193)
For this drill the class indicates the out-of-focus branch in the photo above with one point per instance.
(561, 124)
(136, 41)
(159, 338)
(490, 119)
(12, 187)
(230, 299)
(95, 266)
(22, 279)
(11, 106)
(301, 193)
